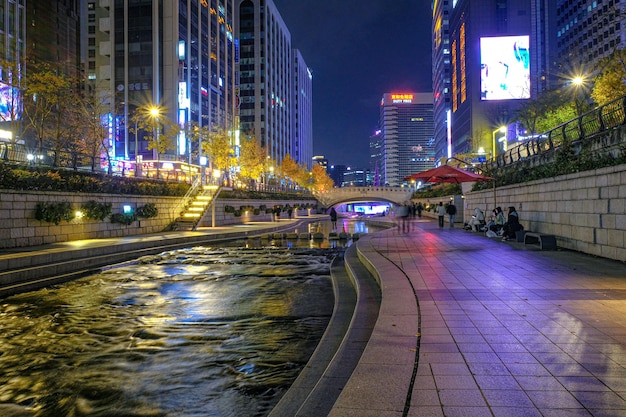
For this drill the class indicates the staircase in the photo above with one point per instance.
(196, 208)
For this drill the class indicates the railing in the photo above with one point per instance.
(600, 119)
(187, 198)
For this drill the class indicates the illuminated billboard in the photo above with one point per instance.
(10, 103)
(504, 68)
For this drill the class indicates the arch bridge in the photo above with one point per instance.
(396, 195)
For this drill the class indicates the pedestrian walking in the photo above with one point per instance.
(451, 210)
(441, 212)
(333, 218)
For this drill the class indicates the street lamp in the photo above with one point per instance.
(578, 82)
(501, 129)
(154, 114)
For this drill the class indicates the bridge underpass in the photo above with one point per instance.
(335, 196)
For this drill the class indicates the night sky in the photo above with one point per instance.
(358, 50)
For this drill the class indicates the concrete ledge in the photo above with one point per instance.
(382, 381)
(357, 301)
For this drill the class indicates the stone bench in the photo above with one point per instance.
(545, 242)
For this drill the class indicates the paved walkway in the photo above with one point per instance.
(471, 326)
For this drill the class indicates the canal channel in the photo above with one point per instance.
(198, 331)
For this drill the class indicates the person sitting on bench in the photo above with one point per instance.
(477, 221)
(512, 225)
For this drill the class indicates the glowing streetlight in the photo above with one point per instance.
(154, 112)
(578, 82)
(501, 129)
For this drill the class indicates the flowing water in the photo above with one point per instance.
(192, 332)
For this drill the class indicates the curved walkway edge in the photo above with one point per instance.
(476, 327)
(357, 301)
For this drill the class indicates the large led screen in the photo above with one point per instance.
(504, 68)
(10, 103)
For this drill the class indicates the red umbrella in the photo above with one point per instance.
(447, 173)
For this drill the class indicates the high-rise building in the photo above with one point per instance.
(406, 121)
(13, 56)
(376, 158)
(441, 76)
(586, 32)
(494, 70)
(354, 177)
(320, 160)
(53, 35)
(175, 57)
(266, 72)
(336, 173)
(302, 106)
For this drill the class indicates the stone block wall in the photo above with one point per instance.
(223, 219)
(586, 211)
(19, 228)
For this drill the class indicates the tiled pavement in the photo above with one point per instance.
(471, 326)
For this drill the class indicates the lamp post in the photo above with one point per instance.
(501, 129)
(578, 82)
(154, 115)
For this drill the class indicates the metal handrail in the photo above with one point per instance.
(600, 119)
(184, 201)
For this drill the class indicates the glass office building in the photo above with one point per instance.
(406, 136)
(177, 57)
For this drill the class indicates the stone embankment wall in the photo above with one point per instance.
(586, 211)
(19, 228)
(222, 218)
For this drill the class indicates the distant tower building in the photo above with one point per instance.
(441, 76)
(406, 121)
(13, 53)
(587, 31)
(354, 177)
(302, 111)
(321, 160)
(376, 157)
(175, 56)
(336, 173)
(266, 76)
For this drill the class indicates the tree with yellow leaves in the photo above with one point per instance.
(219, 149)
(294, 172)
(251, 159)
(321, 180)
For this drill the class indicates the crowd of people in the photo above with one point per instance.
(497, 226)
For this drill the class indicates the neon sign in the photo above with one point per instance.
(402, 96)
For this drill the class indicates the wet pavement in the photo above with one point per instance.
(471, 326)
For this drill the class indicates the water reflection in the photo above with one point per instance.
(314, 235)
(193, 332)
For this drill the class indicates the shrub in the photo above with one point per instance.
(96, 211)
(14, 177)
(148, 211)
(54, 212)
(124, 218)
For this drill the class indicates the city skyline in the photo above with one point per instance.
(356, 55)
